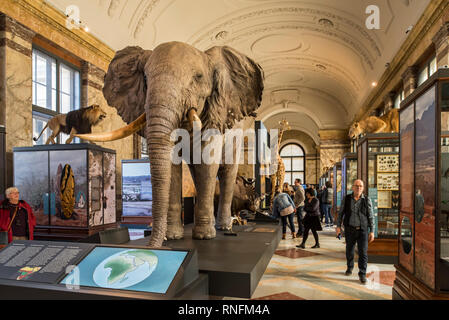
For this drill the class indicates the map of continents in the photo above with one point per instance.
(125, 269)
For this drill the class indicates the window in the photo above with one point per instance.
(429, 68)
(293, 156)
(143, 148)
(398, 99)
(56, 89)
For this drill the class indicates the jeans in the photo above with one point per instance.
(327, 213)
(300, 219)
(360, 237)
(284, 223)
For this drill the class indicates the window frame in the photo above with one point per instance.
(45, 112)
(291, 162)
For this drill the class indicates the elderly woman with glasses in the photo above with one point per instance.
(16, 217)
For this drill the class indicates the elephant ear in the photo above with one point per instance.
(237, 88)
(125, 83)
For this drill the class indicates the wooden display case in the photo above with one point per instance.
(423, 268)
(378, 168)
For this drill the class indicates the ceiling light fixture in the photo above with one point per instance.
(374, 84)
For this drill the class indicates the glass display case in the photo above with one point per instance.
(378, 158)
(378, 168)
(349, 173)
(70, 187)
(336, 186)
(423, 267)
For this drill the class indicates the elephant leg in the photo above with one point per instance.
(205, 180)
(226, 175)
(175, 228)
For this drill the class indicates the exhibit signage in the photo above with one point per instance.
(40, 261)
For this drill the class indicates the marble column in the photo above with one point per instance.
(441, 41)
(410, 80)
(15, 86)
(333, 145)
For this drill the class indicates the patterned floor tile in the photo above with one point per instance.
(295, 253)
(280, 296)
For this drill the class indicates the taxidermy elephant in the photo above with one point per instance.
(169, 88)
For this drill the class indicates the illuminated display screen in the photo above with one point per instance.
(142, 270)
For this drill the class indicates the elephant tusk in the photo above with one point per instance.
(121, 133)
(193, 117)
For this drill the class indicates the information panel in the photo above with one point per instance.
(40, 261)
(142, 270)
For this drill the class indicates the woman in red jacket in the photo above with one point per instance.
(21, 215)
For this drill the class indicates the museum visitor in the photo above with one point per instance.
(16, 217)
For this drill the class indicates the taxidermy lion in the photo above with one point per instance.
(389, 122)
(74, 122)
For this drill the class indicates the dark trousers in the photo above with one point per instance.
(360, 237)
(306, 235)
(290, 221)
(300, 219)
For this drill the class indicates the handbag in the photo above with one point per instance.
(4, 234)
(287, 211)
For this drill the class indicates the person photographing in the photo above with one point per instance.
(356, 214)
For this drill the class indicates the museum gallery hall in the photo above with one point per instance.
(224, 150)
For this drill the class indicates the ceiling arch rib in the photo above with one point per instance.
(315, 64)
(333, 35)
(301, 97)
(307, 10)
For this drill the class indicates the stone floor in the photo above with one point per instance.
(318, 274)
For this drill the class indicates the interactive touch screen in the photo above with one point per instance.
(127, 269)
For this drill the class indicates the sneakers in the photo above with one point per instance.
(362, 278)
(348, 272)
(302, 246)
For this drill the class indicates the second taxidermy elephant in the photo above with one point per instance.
(166, 89)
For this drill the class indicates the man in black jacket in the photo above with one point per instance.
(356, 213)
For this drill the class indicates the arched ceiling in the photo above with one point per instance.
(318, 56)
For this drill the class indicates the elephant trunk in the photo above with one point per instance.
(161, 121)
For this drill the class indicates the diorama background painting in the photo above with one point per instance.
(137, 191)
(33, 182)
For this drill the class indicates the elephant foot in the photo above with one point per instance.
(204, 232)
(174, 232)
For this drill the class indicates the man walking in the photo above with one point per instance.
(356, 213)
(299, 203)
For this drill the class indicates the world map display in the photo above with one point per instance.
(127, 269)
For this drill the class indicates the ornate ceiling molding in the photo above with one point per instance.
(315, 92)
(313, 63)
(428, 19)
(230, 24)
(146, 13)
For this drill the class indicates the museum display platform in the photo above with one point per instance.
(234, 264)
(67, 270)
